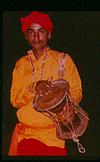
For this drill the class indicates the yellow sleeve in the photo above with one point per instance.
(19, 93)
(72, 76)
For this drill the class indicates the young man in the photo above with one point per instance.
(35, 134)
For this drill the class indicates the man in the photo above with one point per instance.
(35, 134)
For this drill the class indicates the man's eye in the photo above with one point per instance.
(30, 32)
(41, 31)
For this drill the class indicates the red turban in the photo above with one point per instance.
(39, 18)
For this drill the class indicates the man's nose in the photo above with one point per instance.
(36, 36)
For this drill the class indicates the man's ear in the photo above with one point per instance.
(49, 35)
(25, 36)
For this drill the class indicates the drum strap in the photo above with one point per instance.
(61, 70)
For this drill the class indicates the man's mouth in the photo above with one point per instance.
(36, 43)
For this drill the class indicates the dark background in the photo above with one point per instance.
(75, 32)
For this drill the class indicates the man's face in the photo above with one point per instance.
(37, 37)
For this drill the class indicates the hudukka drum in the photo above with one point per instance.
(53, 100)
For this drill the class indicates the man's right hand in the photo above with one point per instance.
(43, 87)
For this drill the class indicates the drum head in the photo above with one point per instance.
(55, 98)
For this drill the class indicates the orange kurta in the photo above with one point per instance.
(34, 124)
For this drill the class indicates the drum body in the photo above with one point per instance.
(69, 118)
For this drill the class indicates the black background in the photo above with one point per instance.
(75, 32)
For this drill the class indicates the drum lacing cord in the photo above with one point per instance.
(56, 121)
(54, 118)
(79, 109)
(74, 136)
(76, 106)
